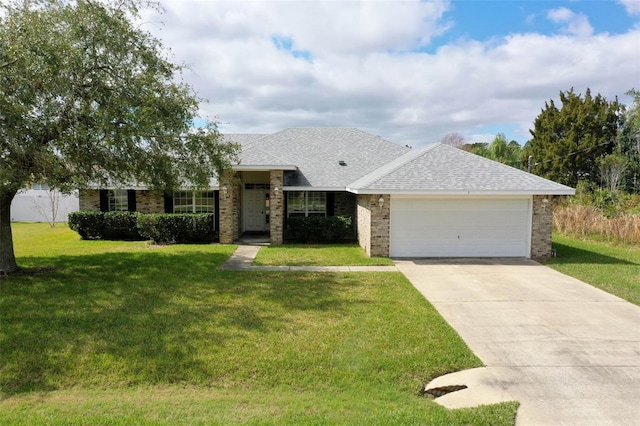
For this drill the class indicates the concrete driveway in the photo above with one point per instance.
(570, 353)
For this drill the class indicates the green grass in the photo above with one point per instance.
(614, 268)
(317, 255)
(128, 333)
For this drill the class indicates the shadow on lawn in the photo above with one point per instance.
(143, 318)
(566, 254)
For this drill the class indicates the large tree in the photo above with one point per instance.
(569, 141)
(87, 96)
(629, 142)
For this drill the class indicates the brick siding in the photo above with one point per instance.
(229, 209)
(276, 204)
(89, 200)
(541, 226)
(373, 224)
(150, 201)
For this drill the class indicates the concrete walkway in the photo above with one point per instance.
(570, 353)
(243, 257)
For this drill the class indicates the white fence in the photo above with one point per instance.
(43, 205)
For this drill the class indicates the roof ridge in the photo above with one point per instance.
(390, 167)
(502, 165)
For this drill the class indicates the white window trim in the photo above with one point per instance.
(306, 204)
(193, 201)
(116, 194)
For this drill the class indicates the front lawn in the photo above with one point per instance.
(317, 255)
(614, 268)
(128, 333)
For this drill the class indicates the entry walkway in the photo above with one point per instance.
(242, 259)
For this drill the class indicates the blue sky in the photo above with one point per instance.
(410, 71)
(483, 20)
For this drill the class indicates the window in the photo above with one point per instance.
(118, 200)
(40, 186)
(193, 202)
(305, 203)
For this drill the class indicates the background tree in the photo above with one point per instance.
(454, 139)
(478, 148)
(612, 168)
(629, 142)
(499, 150)
(568, 142)
(87, 96)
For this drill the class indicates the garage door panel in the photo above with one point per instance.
(428, 227)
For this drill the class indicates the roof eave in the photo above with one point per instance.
(262, 167)
(314, 188)
(569, 191)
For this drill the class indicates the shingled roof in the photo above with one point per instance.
(444, 170)
(326, 158)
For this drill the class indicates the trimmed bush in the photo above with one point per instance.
(167, 228)
(121, 226)
(89, 225)
(318, 229)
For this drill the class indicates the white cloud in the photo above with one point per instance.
(367, 76)
(632, 6)
(576, 23)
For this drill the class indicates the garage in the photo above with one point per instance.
(459, 227)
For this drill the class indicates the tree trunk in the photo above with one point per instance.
(7, 258)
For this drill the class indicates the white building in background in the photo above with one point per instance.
(39, 204)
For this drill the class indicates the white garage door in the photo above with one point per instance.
(450, 227)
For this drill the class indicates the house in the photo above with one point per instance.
(438, 201)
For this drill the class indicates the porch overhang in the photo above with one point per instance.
(263, 167)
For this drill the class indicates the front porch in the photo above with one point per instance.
(254, 202)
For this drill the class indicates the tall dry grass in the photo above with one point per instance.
(582, 221)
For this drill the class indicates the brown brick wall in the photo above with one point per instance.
(150, 201)
(229, 209)
(373, 224)
(541, 226)
(89, 200)
(345, 204)
(276, 200)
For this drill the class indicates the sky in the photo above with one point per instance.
(409, 71)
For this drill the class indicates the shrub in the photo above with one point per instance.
(89, 225)
(169, 228)
(318, 229)
(121, 226)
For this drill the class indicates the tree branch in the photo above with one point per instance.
(8, 64)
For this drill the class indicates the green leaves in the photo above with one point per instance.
(93, 98)
(568, 142)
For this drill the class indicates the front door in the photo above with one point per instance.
(256, 210)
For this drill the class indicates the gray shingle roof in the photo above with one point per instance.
(441, 169)
(243, 139)
(317, 152)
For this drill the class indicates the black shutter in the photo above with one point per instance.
(331, 205)
(131, 200)
(168, 203)
(285, 209)
(216, 210)
(104, 200)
